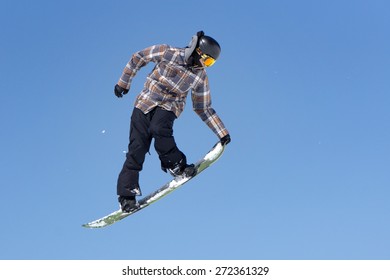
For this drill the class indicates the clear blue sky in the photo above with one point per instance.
(303, 87)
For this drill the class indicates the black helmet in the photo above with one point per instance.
(209, 46)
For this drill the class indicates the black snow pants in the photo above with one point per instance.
(157, 124)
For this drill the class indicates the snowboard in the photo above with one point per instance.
(212, 156)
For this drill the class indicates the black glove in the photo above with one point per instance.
(120, 91)
(225, 140)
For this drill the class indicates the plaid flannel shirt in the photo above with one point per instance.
(168, 84)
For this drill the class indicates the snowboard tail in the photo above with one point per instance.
(212, 156)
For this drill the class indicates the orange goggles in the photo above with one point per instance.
(207, 60)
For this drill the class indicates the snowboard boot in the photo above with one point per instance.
(127, 203)
(182, 169)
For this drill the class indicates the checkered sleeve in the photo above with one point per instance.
(138, 60)
(201, 101)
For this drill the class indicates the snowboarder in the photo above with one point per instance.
(162, 100)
